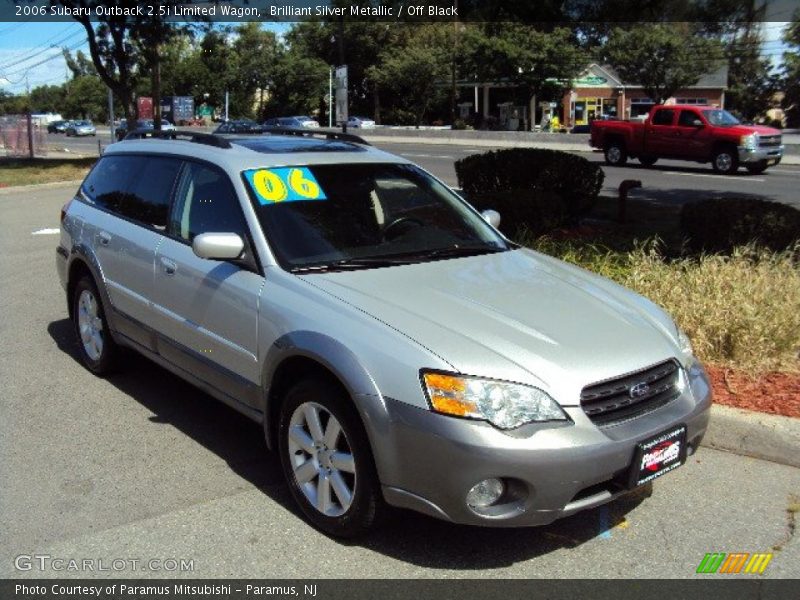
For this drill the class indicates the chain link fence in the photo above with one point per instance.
(23, 136)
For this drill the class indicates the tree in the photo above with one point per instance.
(257, 51)
(86, 98)
(791, 73)
(79, 65)
(413, 74)
(47, 98)
(536, 63)
(662, 58)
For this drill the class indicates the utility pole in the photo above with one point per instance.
(341, 59)
(226, 106)
(330, 97)
(453, 90)
(111, 114)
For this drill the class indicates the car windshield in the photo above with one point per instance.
(82, 123)
(330, 217)
(720, 118)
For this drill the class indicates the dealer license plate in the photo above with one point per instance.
(658, 455)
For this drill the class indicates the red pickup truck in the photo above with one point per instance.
(697, 133)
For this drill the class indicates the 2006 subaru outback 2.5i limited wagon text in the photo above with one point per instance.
(395, 346)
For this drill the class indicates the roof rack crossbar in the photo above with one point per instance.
(178, 134)
(331, 135)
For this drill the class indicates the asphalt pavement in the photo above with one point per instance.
(143, 466)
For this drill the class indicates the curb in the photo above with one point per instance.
(767, 437)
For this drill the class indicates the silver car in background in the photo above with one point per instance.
(394, 346)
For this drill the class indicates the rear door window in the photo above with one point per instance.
(138, 188)
(663, 116)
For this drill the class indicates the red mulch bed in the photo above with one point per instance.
(775, 393)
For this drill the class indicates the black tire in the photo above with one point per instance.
(725, 161)
(367, 502)
(757, 168)
(615, 154)
(107, 359)
(648, 161)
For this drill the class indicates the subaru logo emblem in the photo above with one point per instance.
(639, 390)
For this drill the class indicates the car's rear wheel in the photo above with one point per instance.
(757, 168)
(97, 348)
(327, 460)
(616, 154)
(725, 161)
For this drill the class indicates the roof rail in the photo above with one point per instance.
(175, 134)
(331, 135)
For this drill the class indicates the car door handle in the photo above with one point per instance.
(169, 266)
(104, 238)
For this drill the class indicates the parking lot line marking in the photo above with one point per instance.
(747, 179)
(46, 231)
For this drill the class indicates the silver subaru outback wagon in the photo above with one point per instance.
(394, 346)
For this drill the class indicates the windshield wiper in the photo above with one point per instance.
(367, 262)
(456, 251)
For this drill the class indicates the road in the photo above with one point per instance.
(141, 465)
(669, 181)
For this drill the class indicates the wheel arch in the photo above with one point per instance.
(311, 354)
(83, 262)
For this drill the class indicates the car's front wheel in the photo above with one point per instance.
(725, 161)
(97, 348)
(326, 459)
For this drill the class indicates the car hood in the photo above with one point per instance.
(517, 316)
(748, 129)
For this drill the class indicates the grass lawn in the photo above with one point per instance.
(24, 171)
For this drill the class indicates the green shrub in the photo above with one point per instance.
(719, 225)
(533, 211)
(563, 187)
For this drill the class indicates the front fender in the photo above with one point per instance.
(341, 362)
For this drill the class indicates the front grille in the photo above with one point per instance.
(611, 402)
(766, 141)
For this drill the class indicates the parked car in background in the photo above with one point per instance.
(393, 345)
(80, 128)
(141, 124)
(689, 132)
(360, 122)
(57, 126)
(239, 126)
(300, 122)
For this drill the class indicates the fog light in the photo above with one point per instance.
(485, 493)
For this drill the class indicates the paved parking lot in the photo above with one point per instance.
(143, 466)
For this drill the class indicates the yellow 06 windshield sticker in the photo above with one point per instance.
(284, 184)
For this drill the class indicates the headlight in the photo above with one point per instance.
(505, 405)
(749, 142)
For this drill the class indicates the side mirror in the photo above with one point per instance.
(492, 217)
(697, 123)
(218, 246)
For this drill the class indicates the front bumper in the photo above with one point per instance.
(771, 154)
(429, 462)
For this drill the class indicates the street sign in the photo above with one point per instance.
(341, 94)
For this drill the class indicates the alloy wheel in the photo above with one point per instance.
(321, 459)
(90, 325)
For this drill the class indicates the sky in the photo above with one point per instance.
(30, 53)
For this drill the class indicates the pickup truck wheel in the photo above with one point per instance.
(757, 168)
(327, 460)
(616, 155)
(725, 161)
(648, 161)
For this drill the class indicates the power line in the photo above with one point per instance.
(42, 50)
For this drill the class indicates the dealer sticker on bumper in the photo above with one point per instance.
(659, 455)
